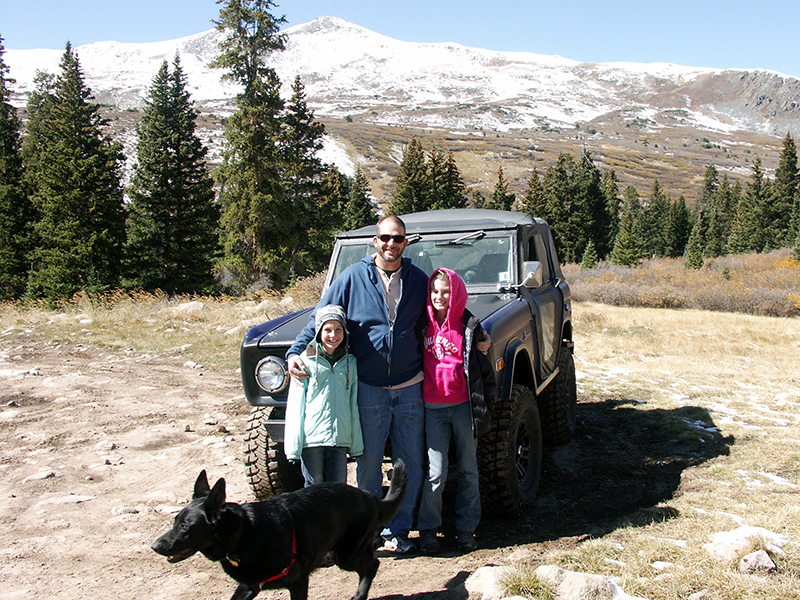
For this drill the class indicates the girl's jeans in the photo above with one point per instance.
(441, 424)
(324, 463)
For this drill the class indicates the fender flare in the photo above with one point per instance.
(510, 354)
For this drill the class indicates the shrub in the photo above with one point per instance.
(758, 284)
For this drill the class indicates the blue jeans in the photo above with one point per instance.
(441, 424)
(397, 414)
(324, 463)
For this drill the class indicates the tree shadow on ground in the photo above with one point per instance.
(624, 460)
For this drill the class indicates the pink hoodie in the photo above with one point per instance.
(443, 348)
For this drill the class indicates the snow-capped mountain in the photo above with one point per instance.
(350, 71)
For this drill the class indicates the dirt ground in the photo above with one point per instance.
(99, 447)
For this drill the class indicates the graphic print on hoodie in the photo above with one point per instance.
(443, 347)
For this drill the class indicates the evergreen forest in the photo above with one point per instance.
(268, 214)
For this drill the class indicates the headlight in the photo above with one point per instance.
(271, 374)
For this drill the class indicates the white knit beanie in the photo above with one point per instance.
(330, 312)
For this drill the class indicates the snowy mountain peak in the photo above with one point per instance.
(349, 70)
(328, 25)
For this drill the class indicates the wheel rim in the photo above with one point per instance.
(523, 458)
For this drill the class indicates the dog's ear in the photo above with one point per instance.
(215, 501)
(201, 488)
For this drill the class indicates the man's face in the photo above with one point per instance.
(390, 250)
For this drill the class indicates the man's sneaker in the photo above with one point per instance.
(399, 544)
(428, 544)
(466, 541)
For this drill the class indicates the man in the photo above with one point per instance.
(383, 296)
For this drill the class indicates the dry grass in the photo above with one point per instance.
(740, 370)
(523, 582)
(759, 284)
(156, 324)
(743, 370)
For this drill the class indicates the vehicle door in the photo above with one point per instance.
(545, 302)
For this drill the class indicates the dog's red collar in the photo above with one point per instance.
(286, 570)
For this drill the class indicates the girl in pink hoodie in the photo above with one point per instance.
(458, 391)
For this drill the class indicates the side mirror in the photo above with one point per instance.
(532, 274)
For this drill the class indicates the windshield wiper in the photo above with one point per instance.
(464, 240)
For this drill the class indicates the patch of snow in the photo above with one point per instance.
(333, 152)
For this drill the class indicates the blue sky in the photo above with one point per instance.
(698, 33)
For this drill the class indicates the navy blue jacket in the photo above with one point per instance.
(387, 354)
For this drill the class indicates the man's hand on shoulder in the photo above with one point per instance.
(297, 367)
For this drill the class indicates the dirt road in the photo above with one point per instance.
(99, 447)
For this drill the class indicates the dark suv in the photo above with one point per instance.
(515, 285)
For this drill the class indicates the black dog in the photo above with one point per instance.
(277, 543)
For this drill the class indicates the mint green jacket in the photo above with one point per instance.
(322, 409)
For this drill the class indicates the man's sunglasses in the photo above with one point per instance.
(398, 239)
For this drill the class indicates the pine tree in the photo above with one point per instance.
(679, 228)
(533, 202)
(412, 183)
(593, 206)
(477, 199)
(310, 232)
(435, 186)
(778, 212)
(589, 260)
(710, 187)
(255, 215)
(694, 249)
(747, 229)
(713, 239)
(656, 218)
(557, 205)
(77, 193)
(446, 186)
(576, 206)
(794, 222)
(609, 186)
(335, 196)
(501, 198)
(172, 218)
(628, 250)
(16, 213)
(40, 108)
(723, 209)
(360, 211)
(796, 247)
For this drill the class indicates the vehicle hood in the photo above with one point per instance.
(483, 305)
(281, 331)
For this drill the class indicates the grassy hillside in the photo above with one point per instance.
(639, 151)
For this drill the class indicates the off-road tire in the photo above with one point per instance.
(510, 455)
(266, 467)
(558, 403)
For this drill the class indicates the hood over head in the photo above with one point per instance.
(458, 296)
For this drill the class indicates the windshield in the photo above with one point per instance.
(485, 261)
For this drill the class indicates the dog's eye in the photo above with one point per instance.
(184, 526)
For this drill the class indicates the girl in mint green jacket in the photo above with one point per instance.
(322, 422)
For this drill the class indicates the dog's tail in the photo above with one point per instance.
(394, 497)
